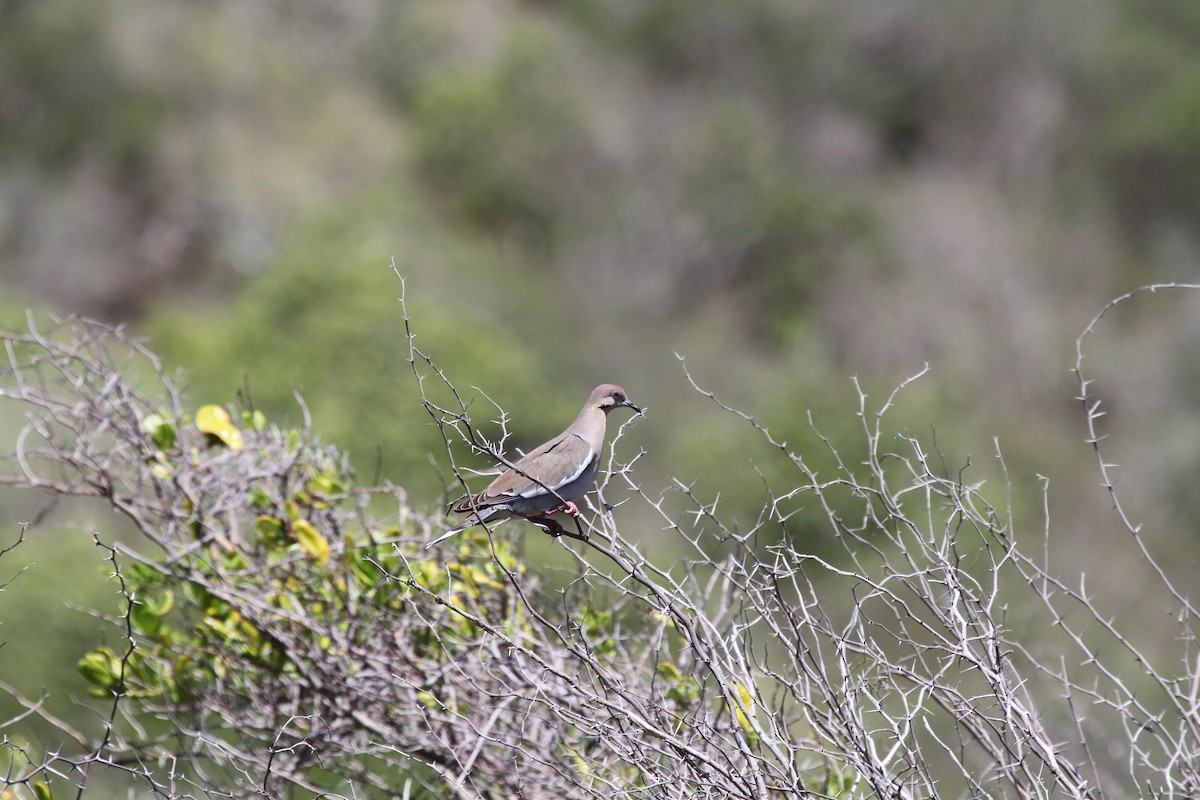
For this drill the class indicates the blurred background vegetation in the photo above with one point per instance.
(787, 193)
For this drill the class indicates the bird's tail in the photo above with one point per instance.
(474, 519)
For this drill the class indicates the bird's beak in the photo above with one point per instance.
(628, 402)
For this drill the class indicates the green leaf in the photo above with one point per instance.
(258, 497)
(146, 620)
(680, 688)
(234, 561)
(366, 574)
(312, 543)
(148, 613)
(41, 790)
(163, 604)
(101, 667)
(161, 431)
(256, 420)
(271, 532)
(140, 573)
(328, 484)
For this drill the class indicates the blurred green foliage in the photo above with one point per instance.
(41, 624)
(766, 215)
(65, 94)
(1146, 88)
(326, 323)
(505, 146)
(766, 44)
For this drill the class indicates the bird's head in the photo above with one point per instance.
(608, 396)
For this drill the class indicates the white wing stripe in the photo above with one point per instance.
(539, 490)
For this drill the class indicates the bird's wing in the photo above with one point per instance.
(547, 468)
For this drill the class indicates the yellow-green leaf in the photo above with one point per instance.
(214, 421)
(669, 671)
(747, 703)
(160, 467)
(42, 790)
(580, 764)
(312, 543)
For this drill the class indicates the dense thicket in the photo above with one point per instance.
(272, 637)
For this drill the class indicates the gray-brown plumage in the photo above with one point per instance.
(551, 477)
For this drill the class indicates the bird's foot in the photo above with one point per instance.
(569, 508)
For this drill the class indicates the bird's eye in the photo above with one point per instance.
(616, 395)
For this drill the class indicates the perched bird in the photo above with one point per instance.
(550, 478)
